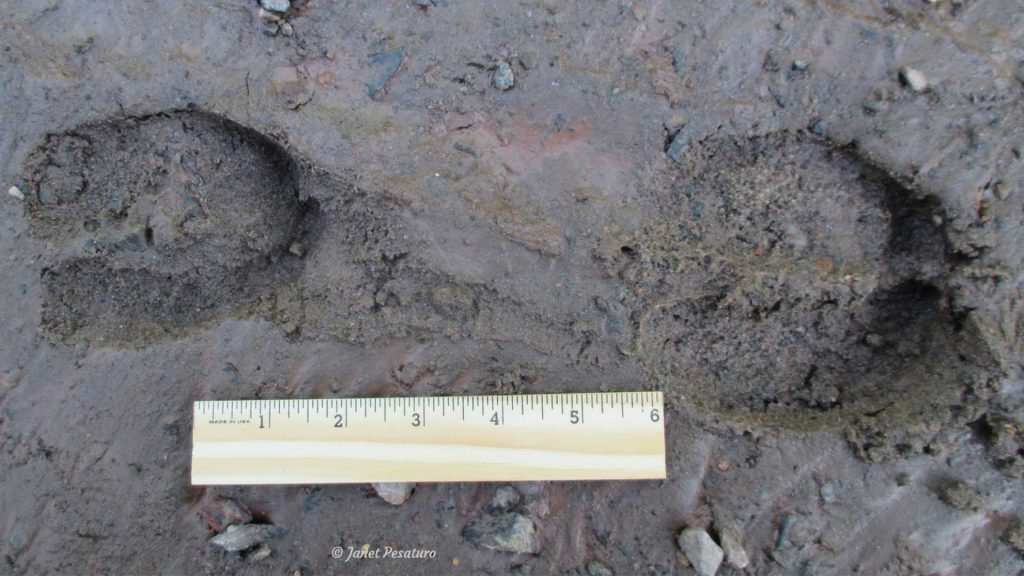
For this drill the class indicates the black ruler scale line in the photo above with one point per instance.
(421, 409)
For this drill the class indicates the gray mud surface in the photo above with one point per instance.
(803, 221)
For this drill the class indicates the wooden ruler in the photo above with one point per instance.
(599, 436)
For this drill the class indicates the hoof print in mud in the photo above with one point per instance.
(163, 223)
(792, 284)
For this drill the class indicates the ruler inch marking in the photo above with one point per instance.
(230, 449)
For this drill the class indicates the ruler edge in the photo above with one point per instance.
(658, 400)
(659, 395)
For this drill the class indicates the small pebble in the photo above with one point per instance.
(386, 65)
(15, 192)
(394, 493)
(913, 79)
(259, 553)
(287, 29)
(1015, 537)
(503, 77)
(704, 555)
(787, 524)
(223, 512)
(828, 493)
(960, 495)
(779, 96)
(268, 17)
(596, 568)
(1002, 191)
(276, 5)
(505, 533)
(732, 545)
(242, 537)
(874, 340)
(679, 60)
(679, 146)
(505, 499)
(875, 106)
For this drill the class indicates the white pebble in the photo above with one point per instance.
(914, 79)
(394, 492)
(276, 5)
(16, 192)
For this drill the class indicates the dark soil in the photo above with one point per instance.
(748, 207)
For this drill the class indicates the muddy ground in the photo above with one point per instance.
(800, 220)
